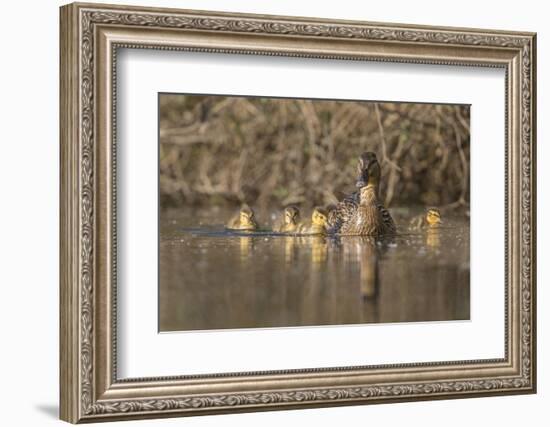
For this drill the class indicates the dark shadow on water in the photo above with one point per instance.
(50, 410)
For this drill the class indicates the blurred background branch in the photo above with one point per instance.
(217, 150)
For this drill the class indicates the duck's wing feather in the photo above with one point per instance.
(343, 212)
(387, 219)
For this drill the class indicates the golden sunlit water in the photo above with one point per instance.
(214, 279)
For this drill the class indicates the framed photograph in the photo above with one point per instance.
(265, 212)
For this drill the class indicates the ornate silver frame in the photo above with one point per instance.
(90, 36)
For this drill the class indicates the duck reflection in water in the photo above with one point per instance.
(317, 245)
(363, 253)
(290, 246)
(319, 250)
(246, 244)
(433, 239)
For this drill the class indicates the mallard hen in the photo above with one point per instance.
(361, 213)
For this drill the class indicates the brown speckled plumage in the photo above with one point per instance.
(361, 213)
(342, 212)
(369, 218)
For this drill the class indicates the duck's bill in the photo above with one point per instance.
(363, 178)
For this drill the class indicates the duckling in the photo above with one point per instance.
(290, 222)
(244, 220)
(430, 219)
(318, 223)
(362, 213)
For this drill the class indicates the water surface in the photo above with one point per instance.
(214, 279)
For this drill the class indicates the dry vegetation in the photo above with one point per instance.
(275, 152)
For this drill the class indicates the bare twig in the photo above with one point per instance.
(385, 158)
(464, 163)
(267, 152)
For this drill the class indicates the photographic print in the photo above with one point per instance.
(282, 212)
